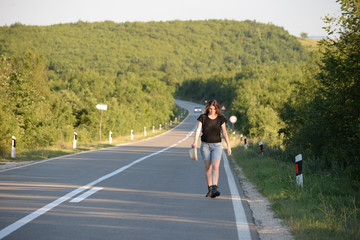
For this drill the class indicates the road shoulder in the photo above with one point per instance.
(8, 165)
(267, 225)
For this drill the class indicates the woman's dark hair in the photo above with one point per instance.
(215, 104)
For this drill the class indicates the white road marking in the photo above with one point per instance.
(86, 194)
(20, 223)
(13, 227)
(242, 225)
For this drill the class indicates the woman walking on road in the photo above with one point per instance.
(211, 123)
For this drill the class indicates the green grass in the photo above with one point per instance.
(309, 44)
(327, 207)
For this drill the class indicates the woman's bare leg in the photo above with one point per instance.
(208, 172)
(215, 171)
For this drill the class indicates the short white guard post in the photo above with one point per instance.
(110, 137)
(145, 131)
(261, 148)
(245, 143)
(132, 134)
(160, 126)
(166, 125)
(153, 129)
(233, 135)
(299, 176)
(75, 140)
(13, 147)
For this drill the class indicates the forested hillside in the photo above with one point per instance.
(52, 77)
(171, 51)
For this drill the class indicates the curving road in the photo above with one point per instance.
(144, 190)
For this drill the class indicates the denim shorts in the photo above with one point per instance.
(210, 151)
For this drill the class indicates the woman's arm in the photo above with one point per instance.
(197, 134)
(223, 126)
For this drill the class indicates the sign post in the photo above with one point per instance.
(233, 120)
(101, 107)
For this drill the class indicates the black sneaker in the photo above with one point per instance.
(214, 192)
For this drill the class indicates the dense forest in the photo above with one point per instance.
(52, 77)
(322, 115)
(310, 107)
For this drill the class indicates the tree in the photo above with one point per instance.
(303, 35)
(25, 112)
(323, 116)
(339, 94)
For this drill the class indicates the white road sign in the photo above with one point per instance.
(233, 119)
(101, 106)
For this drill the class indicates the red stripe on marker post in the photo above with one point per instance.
(297, 169)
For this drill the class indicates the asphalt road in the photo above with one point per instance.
(144, 190)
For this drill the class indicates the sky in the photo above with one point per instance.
(295, 16)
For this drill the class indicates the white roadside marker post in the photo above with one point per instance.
(261, 148)
(110, 137)
(13, 147)
(132, 134)
(145, 131)
(75, 140)
(299, 175)
(153, 129)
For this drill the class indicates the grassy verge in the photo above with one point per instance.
(65, 149)
(327, 207)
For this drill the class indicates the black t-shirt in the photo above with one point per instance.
(211, 128)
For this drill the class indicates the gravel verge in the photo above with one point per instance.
(267, 225)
